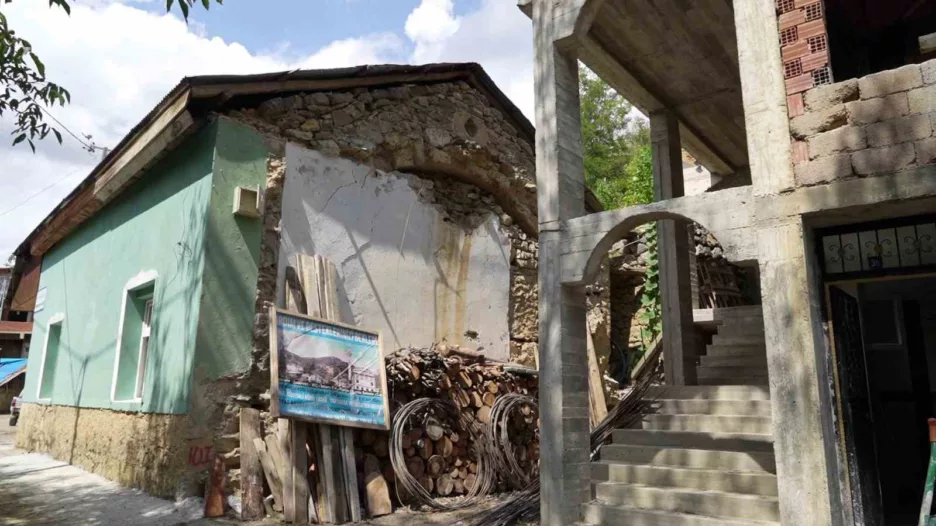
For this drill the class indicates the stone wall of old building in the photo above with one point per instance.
(879, 124)
(447, 133)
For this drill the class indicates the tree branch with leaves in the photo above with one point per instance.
(25, 92)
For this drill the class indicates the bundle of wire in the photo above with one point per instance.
(424, 408)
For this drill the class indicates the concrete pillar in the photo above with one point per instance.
(679, 339)
(789, 321)
(564, 424)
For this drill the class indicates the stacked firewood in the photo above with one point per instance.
(441, 454)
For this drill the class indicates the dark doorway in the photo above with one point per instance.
(885, 340)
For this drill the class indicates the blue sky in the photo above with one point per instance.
(120, 57)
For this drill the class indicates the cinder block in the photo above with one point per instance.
(903, 129)
(892, 81)
(823, 170)
(818, 122)
(874, 161)
(876, 110)
(823, 97)
(929, 72)
(926, 151)
(845, 139)
(922, 100)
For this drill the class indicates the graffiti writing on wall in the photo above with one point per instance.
(199, 456)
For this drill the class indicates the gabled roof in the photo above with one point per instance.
(183, 109)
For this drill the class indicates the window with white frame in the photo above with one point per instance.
(134, 339)
(50, 353)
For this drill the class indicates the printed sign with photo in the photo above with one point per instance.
(327, 372)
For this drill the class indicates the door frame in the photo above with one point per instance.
(838, 402)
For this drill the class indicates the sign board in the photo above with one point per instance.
(40, 299)
(327, 372)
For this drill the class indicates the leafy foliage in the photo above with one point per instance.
(651, 303)
(616, 146)
(619, 170)
(24, 90)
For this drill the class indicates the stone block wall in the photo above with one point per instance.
(879, 124)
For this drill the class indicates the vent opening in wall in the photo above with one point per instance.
(870, 36)
(247, 202)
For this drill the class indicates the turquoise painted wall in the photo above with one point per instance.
(232, 255)
(158, 224)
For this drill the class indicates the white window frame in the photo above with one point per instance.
(143, 279)
(56, 319)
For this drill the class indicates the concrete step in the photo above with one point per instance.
(743, 360)
(744, 340)
(760, 380)
(712, 392)
(755, 349)
(695, 440)
(671, 477)
(708, 423)
(753, 326)
(713, 407)
(601, 514)
(696, 502)
(759, 462)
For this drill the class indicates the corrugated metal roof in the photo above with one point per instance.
(10, 368)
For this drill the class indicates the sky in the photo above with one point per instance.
(118, 58)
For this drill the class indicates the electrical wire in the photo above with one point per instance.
(503, 453)
(33, 196)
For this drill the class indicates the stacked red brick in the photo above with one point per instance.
(804, 46)
(879, 124)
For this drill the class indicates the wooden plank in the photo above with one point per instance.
(327, 475)
(597, 405)
(300, 469)
(140, 153)
(270, 471)
(251, 470)
(318, 278)
(289, 499)
(275, 451)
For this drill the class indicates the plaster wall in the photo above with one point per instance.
(157, 226)
(404, 269)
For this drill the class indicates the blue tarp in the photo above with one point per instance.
(10, 368)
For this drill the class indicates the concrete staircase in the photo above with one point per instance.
(705, 457)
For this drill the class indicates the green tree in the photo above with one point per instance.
(616, 146)
(24, 89)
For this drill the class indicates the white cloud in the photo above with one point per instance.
(118, 62)
(497, 35)
(431, 23)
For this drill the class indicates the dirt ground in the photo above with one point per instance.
(38, 490)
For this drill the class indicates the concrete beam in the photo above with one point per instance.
(560, 178)
(679, 342)
(764, 95)
(600, 61)
(789, 325)
(728, 214)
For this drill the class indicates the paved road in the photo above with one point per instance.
(38, 490)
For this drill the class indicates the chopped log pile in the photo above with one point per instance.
(439, 452)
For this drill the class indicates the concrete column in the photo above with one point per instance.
(789, 321)
(564, 424)
(679, 340)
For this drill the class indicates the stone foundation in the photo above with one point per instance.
(152, 452)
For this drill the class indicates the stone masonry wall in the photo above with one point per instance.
(447, 132)
(879, 124)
